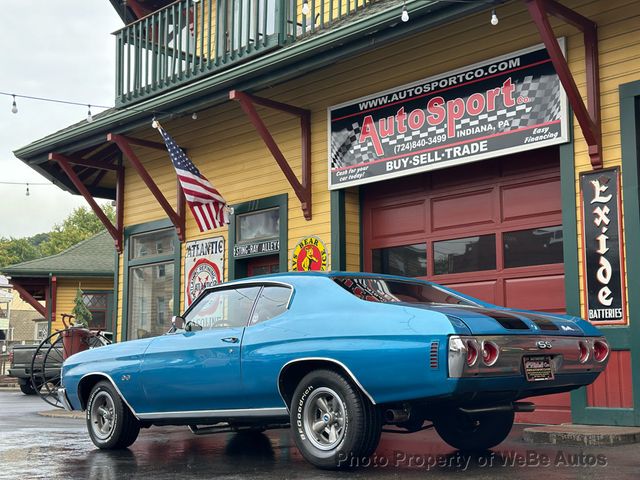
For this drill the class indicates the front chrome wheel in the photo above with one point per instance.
(102, 415)
(324, 418)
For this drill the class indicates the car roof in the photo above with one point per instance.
(292, 276)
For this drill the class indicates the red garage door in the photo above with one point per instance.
(491, 229)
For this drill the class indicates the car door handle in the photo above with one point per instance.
(230, 339)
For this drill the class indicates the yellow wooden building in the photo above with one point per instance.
(459, 142)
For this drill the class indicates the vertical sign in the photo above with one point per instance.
(203, 267)
(603, 250)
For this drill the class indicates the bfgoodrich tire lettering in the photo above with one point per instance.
(110, 423)
(333, 423)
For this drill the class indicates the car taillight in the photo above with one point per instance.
(600, 351)
(490, 353)
(584, 352)
(472, 353)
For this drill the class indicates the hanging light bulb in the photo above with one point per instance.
(494, 18)
(405, 15)
(14, 107)
(27, 189)
(305, 7)
(154, 123)
(194, 116)
(89, 116)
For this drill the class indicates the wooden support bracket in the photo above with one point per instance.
(301, 189)
(27, 297)
(124, 144)
(116, 231)
(588, 117)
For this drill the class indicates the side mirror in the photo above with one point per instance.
(193, 327)
(177, 322)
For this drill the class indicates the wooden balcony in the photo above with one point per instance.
(190, 39)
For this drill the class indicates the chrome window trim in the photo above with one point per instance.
(333, 360)
(238, 412)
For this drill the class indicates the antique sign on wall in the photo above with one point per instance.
(501, 106)
(309, 254)
(603, 250)
(203, 266)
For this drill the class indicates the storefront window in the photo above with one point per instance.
(151, 284)
(258, 226)
(98, 304)
(469, 254)
(538, 246)
(406, 260)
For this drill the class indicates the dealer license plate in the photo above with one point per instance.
(538, 368)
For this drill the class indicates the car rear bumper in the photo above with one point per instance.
(62, 396)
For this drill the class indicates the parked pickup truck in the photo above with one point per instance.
(20, 359)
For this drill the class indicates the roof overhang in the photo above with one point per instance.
(345, 41)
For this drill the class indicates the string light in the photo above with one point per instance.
(405, 15)
(27, 189)
(305, 7)
(194, 116)
(14, 107)
(27, 185)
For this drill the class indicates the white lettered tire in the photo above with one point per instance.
(110, 423)
(334, 425)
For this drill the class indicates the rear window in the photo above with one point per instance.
(382, 290)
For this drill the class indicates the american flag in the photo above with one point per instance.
(205, 202)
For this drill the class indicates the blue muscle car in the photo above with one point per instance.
(335, 356)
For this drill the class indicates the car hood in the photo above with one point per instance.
(498, 321)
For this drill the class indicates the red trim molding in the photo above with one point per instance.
(301, 189)
(115, 231)
(27, 297)
(124, 144)
(588, 116)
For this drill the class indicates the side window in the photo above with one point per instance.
(224, 308)
(272, 302)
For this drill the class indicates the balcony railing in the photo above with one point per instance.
(189, 39)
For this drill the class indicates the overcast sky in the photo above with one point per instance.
(61, 49)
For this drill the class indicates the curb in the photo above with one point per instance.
(59, 413)
(582, 435)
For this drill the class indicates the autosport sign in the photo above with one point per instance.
(504, 105)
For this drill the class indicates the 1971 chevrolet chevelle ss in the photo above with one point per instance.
(335, 356)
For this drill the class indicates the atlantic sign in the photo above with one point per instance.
(602, 237)
(505, 105)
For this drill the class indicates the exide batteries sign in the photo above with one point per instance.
(501, 106)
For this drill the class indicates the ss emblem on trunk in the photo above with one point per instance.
(542, 344)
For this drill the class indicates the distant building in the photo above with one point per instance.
(49, 285)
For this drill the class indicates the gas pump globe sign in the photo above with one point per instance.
(203, 267)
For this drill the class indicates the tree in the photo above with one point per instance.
(80, 310)
(16, 250)
(80, 225)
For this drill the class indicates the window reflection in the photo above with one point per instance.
(469, 254)
(538, 246)
(407, 260)
(259, 225)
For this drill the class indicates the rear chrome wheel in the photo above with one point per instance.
(333, 423)
(324, 418)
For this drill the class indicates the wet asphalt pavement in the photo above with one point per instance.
(34, 447)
